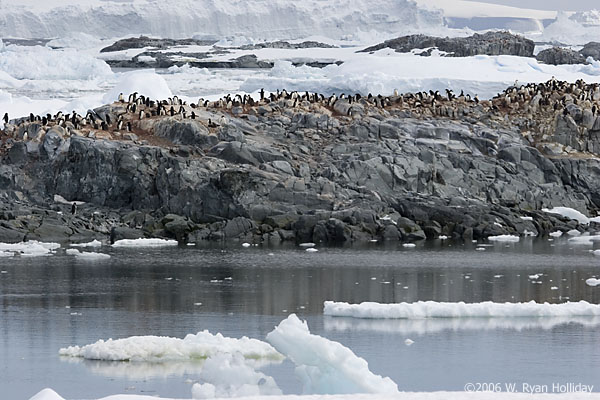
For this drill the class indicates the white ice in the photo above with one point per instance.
(397, 396)
(144, 82)
(144, 243)
(592, 282)
(159, 348)
(325, 366)
(88, 256)
(229, 375)
(31, 248)
(433, 309)
(93, 243)
(504, 238)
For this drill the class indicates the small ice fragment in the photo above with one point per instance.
(480, 249)
(408, 342)
(409, 245)
(373, 278)
(574, 232)
(534, 276)
(307, 245)
(504, 238)
(498, 276)
(527, 218)
(246, 245)
(229, 278)
(443, 237)
(554, 288)
(556, 234)
(592, 282)
(312, 250)
(197, 304)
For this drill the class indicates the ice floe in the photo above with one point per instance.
(592, 282)
(432, 309)
(504, 238)
(93, 243)
(144, 243)
(325, 366)
(158, 348)
(88, 256)
(31, 248)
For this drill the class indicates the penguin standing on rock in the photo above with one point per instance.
(73, 208)
(5, 118)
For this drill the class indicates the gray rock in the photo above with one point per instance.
(119, 233)
(186, 132)
(560, 55)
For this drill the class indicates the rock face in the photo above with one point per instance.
(490, 43)
(559, 55)
(592, 49)
(307, 172)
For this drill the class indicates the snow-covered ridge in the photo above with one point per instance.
(158, 348)
(433, 309)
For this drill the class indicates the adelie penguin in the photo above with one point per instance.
(5, 118)
(73, 208)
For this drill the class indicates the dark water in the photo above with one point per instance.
(153, 291)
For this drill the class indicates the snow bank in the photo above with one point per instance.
(146, 82)
(576, 29)
(324, 366)
(504, 238)
(228, 375)
(36, 62)
(144, 243)
(29, 249)
(433, 309)
(159, 348)
(47, 394)
(568, 213)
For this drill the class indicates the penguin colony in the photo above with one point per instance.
(535, 108)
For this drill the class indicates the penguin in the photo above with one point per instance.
(5, 118)
(128, 126)
(121, 98)
(73, 208)
(142, 114)
(104, 126)
(193, 116)
(31, 117)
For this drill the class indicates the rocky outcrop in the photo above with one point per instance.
(303, 171)
(158, 43)
(490, 43)
(592, 49)
(559, 55)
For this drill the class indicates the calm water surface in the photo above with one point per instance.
(51, 302)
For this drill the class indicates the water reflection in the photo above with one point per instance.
(436, 325)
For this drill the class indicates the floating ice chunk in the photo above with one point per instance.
(527, 218)
(592, 282)
(144, 243)
(311, 250)
(535, 276)
(574, 232)
(93, 243)
(47, 394)
(569, 213)
(443, 237)
(504, 238)
(32, 248)
(158, 348)
(584, 240)
(480, 249)
(72, 252)
(432, 309)
(554, 288)
(307, 245)
(246, 245)
(324, 366)
(409, 245)
(228, 375)
(408, 342)
(92, 256)
(556, 234)
(146, 82)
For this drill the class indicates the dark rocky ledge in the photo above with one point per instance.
(490, 43)
(307, 168)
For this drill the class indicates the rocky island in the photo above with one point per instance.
(305, 167)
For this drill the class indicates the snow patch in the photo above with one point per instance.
(325, 366)
(432, 309)
(570, 213)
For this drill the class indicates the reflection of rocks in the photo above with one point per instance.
(559, 55)
(490, 43)
(280, 44)
(402, 168)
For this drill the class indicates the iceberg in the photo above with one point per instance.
(433, 309)
(325, 366)
(158, 348)
(32, 248)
